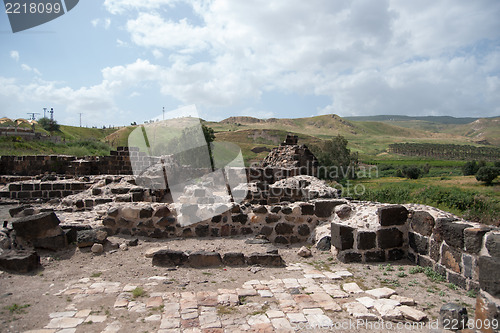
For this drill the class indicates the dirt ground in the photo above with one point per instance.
(27, 300)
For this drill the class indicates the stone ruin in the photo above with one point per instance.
(281, 206)
(292, 155)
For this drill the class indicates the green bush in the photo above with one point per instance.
(48, 124)
(470, 168)
(487, 174)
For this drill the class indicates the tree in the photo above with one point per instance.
(412, 172)
(48, 124)
(338, 159)
(487, 174)
(470, 168)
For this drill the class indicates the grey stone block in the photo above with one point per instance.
(422, 222)
(19, 261)
(342, 236)
(489, 275)
(392, 215)
(367, 240)
(204, 259)
(493, 245)
(168, 258)
(389, 238)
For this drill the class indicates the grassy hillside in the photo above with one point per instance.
(69, 140)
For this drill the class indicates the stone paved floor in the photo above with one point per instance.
(285, 305)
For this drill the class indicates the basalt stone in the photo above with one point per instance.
(451, 232)
(304, 230)
(342, 236)
(241, 218)
(281, 240)
(233, 259)
(389, 238)
(473, 239)
(272, 218)
(453, 315)
(435, 250)
(283, 229)
(451, 258)
(246, 231)
(275, 209)
(146, 212)
(294, 239)
(201, 230)
(16, 210)
(70, 235)
(324, 244)
(366, 240)
(440, 269)
(469, 263)
(86, 238)
(418, 243)
(168, 258)
(392, 215)
(307, 209)
(493, 245)
(53, 243)
(396, 254)
(347, 257)
(286, 210)
(113, 212)
(265, 259)
(260, 209)
(375, 256)
(457, 280)
(214, 232)
(166, 221)
(325, 208)
(489, 273)
(36, 226)
(422, 222)
(23, 261)
(424, 261)
(266, 230)
(204, 259)
(162, 211)
(217, 219)
(96, 191)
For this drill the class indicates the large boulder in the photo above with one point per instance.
(23, 261)
(37, 226)
(42, 230)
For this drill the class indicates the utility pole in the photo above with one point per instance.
(33, 115)
(80, 113)
(44, 110)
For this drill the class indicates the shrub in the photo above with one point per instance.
(412, 172)
(470, 168)
(487, 174)
(48, 124)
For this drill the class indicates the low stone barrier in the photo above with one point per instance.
(283, 224)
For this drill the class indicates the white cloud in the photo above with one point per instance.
(119, 6)
(27, 68)
(157, 54)
(105, 23)
(14, 55)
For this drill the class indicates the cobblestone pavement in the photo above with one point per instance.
(311, 303)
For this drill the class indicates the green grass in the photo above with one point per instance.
(19, 147)
(16, 308)
(138, 292)
(461, 195)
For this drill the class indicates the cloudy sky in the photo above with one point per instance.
(119, 61)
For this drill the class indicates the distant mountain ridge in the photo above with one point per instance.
(435, 119)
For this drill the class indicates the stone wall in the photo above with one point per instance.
(36, 189)
(386, 241)
(284, 224)
(467, 253)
